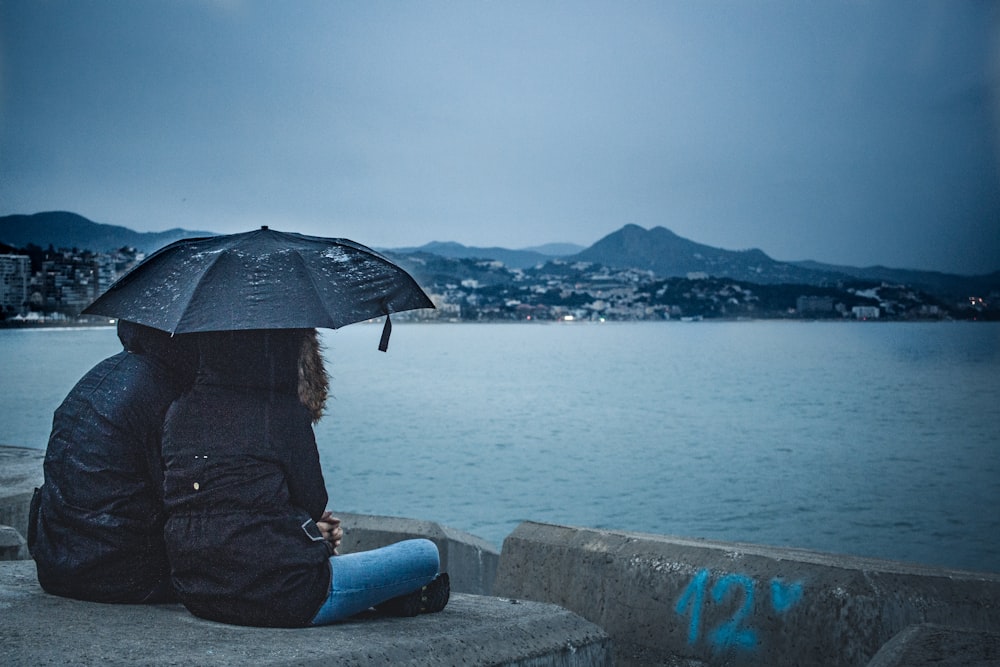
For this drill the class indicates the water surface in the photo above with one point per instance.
(877, 439)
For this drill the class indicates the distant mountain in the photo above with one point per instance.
(668, 255)
(515, 259)
(69, 230)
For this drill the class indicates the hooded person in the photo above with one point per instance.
(246, 499)
(96, 524)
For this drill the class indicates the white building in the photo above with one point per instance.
(865, 312)
(15, 273)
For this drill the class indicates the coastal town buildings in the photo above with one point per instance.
(59, 284)
(15, 273)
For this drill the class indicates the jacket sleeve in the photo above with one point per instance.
(303, 472)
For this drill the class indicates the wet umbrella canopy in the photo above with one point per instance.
(264, 279)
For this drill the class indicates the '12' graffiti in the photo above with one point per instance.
(734, 632)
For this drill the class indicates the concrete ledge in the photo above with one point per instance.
(20, 472)
(12, 545)
(37, 628)
(931, 645)
(663, 598)
(471, 562)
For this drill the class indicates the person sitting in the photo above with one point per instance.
(248, 535)
(96, 524)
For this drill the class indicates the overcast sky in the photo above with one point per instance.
(846, 132)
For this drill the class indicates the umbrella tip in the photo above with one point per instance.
(264, 227)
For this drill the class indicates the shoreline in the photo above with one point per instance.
(399, 319)
(56, 324)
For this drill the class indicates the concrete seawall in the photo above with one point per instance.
(662, 598)
(470, 562)
(592, 596)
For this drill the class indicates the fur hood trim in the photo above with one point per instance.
(313, 382)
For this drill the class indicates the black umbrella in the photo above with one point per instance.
(264, 279)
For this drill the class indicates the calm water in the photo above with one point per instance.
(876, 439)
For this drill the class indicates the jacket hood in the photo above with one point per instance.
(177, 353)
(284, 361)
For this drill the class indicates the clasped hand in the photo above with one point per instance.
(329, 526)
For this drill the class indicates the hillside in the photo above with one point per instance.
(62, 229)
(515, 259)
(671, 256)
(668, 255)
(944, 284)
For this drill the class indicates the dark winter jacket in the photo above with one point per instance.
(97, 521)
(243, 486)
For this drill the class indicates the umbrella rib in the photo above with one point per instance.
(136, 275)
(385, 261)
(194, 288)
(316, 290)
(381, 259)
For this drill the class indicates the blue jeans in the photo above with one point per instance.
(368, 578)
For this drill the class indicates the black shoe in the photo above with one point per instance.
(429, 599)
